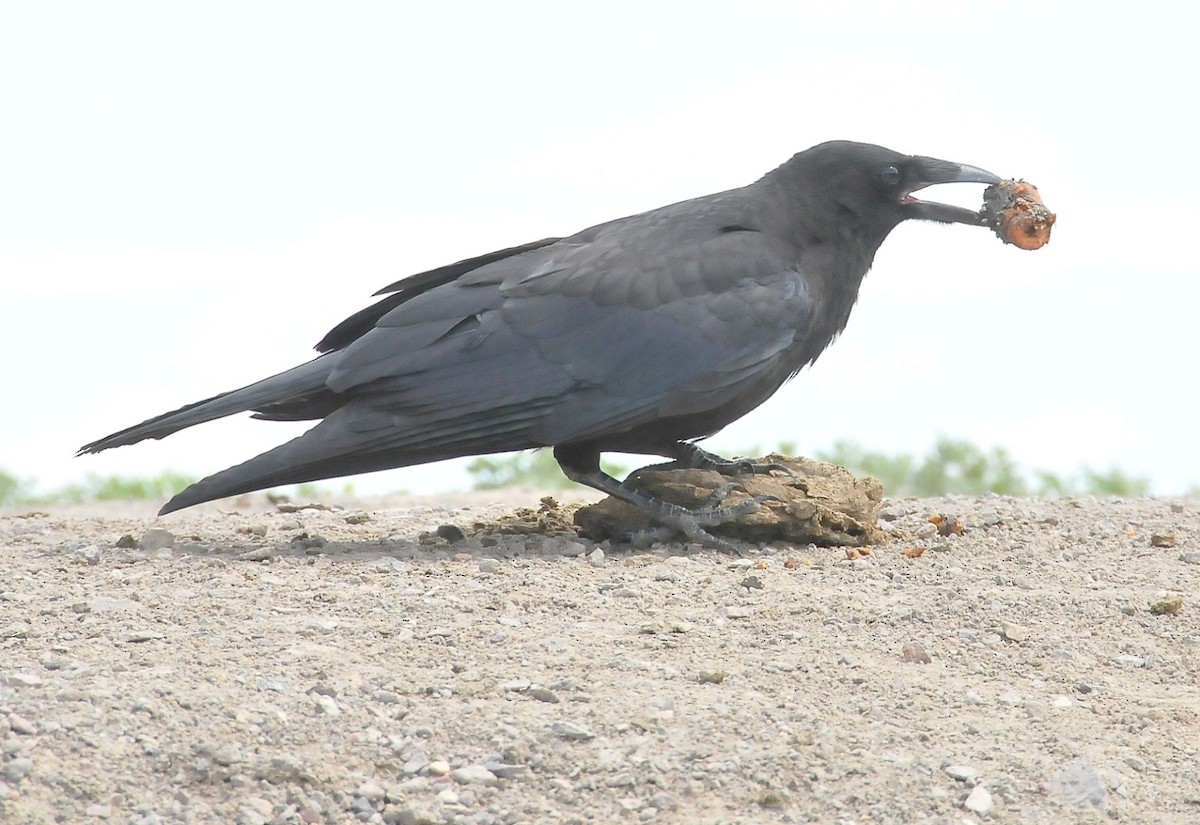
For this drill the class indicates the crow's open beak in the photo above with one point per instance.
(931, 171)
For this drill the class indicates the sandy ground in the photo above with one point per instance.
(327, 666)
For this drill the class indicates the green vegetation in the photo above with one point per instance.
(15, 492)
(951, 466)
(955, 466)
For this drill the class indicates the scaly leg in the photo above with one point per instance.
(582, 464)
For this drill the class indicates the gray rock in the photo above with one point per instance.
(1078, 784)
(156, 538)
(979, 801)
(17, 769)
(19, 724)
(489, 566)
(963, 773)
(596, 558)
(913, 652)
(474, 775)
(571, 731)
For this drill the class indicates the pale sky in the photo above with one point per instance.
(191, 195)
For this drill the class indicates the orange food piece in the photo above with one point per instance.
(1015, 212)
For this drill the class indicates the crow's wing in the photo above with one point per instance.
(596, 334)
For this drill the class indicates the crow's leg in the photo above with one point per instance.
(582, 464)
(689, 456)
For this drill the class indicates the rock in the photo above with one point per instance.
(571, 731)
(963, 773)
(489, 566)
(1078, 784)
(913, 652)
(979, 801)
(438, 767)
(596, 558)
(326, 704)
(17, 769)
(1190, 558)
(1162, 539)
(371, 791)
(474, 775)
(1014, 632)
(156, 538)
(824, 504)
(19, 724)
(450, 533)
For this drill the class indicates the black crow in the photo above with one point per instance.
(640, 335)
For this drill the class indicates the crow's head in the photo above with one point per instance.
(873, 187)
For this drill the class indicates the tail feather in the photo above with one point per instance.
(295, 383)
(360, 440)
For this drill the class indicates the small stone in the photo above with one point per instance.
(326, 704)
(913, 652)
(257, 554)
(19, 679)
(963, 773)
(1036, 711)
(1128, 660)
(543, 695)
(21, 725)
(156, 538)
(17, 769)
(447, 796)
(1190, 558)
(87, 555)
(1162, 539)
(752, 583)
(979, 801)
(737, 611)
(505, 770)
(474, 775)
(438, 767)
(1014, 632)
(571, 731)
(1166, 607)
(489, 566)
(450, 533)
(371, 791)
(1078, 784)
(571, 549)
(596, 558)
(98, 811)
(893, 512)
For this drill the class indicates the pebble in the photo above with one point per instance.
(18, 768)
(913, 652)
(326, 704)
(596, 558)
(98, 811)
(963, 773)
(571, 731)
(571, 549)
(438, 767)
(1077, 784)
(19, 679)
(156, 538)
(737, 611)
(257, 554)
(752, 583)
(19, 724)
(893, 512)
(1190, 558)
(1014, 632)
(371, 791)
(474, 775)
(489, 566)
(979, 801)
(543, 695)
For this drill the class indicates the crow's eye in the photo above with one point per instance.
(891, 175)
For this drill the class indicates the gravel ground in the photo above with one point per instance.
(328, 666)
